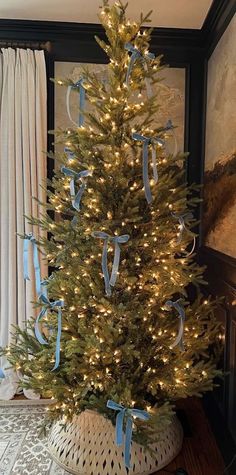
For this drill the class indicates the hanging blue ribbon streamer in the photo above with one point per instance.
(69, 153)
(52, 305)
(27, 239)
(82, 92)
(169, 126)
(180, 309)
(146, 142)
(137, 55)
(76, 197)
(42, 294)
(2, 374)
(128, 414)
(43, 298)
(110, 280)
(182, 227)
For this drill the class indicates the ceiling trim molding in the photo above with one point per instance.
(216, 22)
(55, 30)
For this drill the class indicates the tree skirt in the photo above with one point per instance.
(22, 451)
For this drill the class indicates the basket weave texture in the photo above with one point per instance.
(86, 446)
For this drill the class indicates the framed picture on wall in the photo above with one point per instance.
(220, 155)
(171, 90)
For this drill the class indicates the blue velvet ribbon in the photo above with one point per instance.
(57, 304)
(117, 240)
(137, 55)
(82, 92)
(146, 142)
(76, 197)
(180, 309)
(27, 239)
(128, 414)
(182, 227)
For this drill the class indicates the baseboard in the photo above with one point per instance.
(26, 402)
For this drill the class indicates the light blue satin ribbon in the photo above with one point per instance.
(128, 414)
(52, 305)
(182, 227)
(76, 197)
(137, 55)
(82, 92)
(146, 142)
(27, 239)
(180, 309)
(110, 280)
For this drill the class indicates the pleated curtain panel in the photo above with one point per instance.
(23, 145)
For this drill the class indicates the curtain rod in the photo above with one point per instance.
(25, 44)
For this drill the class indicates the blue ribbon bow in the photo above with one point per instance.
(76, 197)
(82, 92)
(182, 227)
(180, 309)
(53, 305)
(110, 280)
(137, 55)
(146, 142)
(27, 239)
(129, 414)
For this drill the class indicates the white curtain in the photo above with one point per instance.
(23, 145)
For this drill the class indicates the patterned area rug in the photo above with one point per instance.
(22, 451)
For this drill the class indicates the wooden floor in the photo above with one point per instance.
(200, 454)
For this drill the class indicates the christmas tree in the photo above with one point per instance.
(116, 320)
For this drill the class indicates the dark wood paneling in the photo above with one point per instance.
(221, 268)
(232, 380)
(221, 405)
(223, 437)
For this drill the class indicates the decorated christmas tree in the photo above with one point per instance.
(121, 317)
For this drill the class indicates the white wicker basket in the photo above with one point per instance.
(86, 446)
